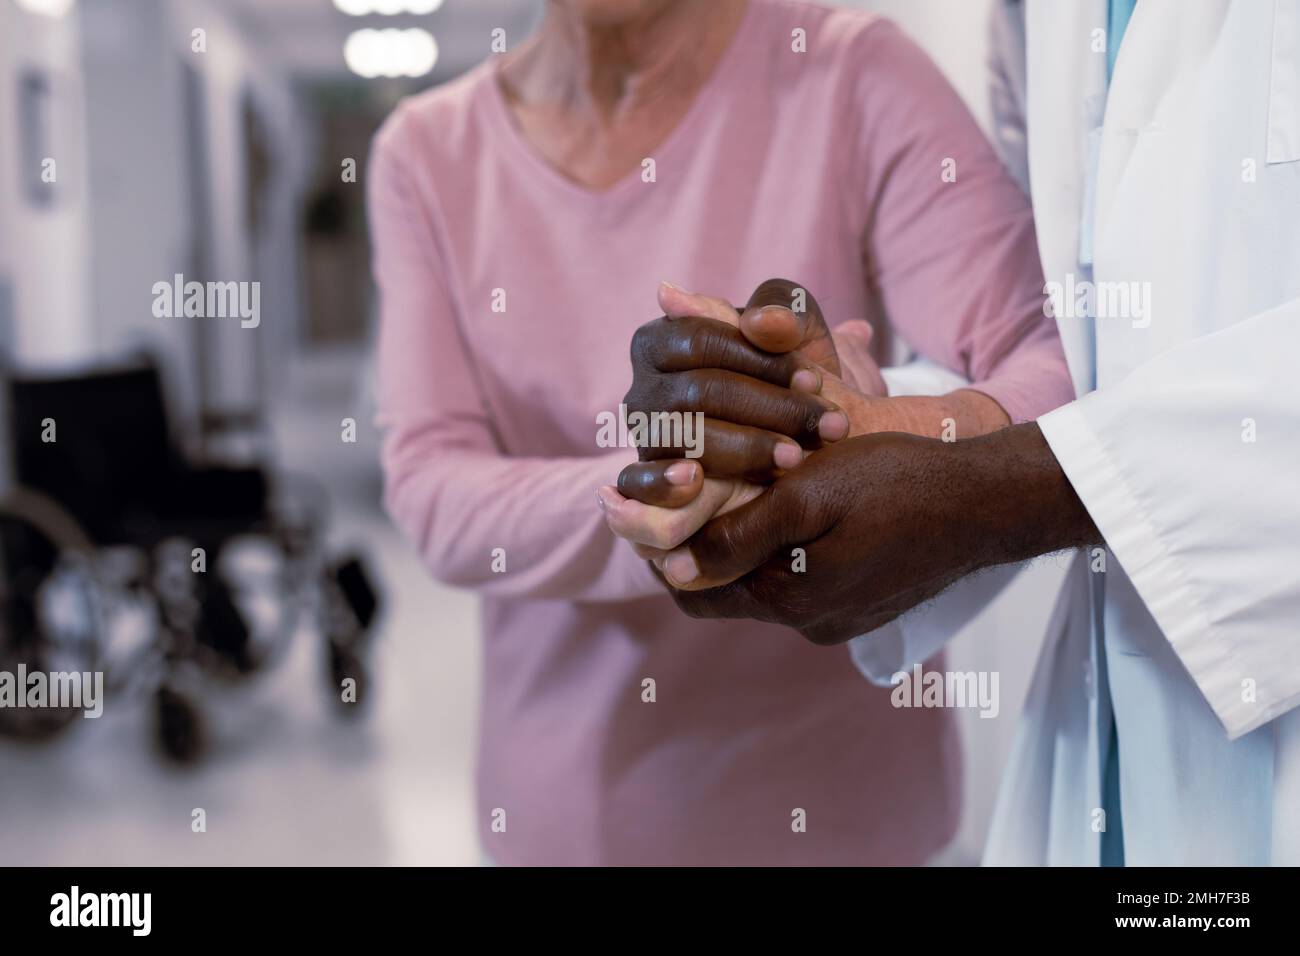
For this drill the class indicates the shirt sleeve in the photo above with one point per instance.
(1190, 468)
(469, 508)
(949, 242)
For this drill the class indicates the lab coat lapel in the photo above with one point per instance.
(1064, 100)
(1165, 40)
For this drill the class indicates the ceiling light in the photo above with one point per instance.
(372, 53)
(387, 8)
(58, 8)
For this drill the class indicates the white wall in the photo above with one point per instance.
(79, 274)
(43, 251)
(953, 32)
(230, 67)
(136, 55)
(138, 181)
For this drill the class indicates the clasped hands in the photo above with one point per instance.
(817, 502)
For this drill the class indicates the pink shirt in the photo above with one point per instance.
(824, 167)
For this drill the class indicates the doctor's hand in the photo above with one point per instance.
(868, 528)
(661, 502)
(753, 376)
(655, 514)
(770, 386)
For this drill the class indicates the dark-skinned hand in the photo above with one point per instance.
(753, 374)
(882, 522)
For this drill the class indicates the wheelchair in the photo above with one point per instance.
(121, 555)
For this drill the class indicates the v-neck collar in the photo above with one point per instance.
(522, 151)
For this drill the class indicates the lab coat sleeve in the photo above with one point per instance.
(922, 632)
(448, 483)
(1190, 468)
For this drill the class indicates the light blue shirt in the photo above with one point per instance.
(1119, 14)
(1112, 842)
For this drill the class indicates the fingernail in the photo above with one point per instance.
(787, 454)
(806, 380)
(680, 568)
(680, 473)
(601, 499)
(833, 426)
(671, 285)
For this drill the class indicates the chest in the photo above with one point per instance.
(597, 153)
(1191, 186)
(553, 281)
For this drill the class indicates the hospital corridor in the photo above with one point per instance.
(493, 435)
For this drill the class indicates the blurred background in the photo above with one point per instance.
(210, 138)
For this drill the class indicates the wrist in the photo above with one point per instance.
(1017, 498)
(962, 414)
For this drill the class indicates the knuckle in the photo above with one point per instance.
(750, 454)
(648, 341)
(648, 387)
(729, 540)
(784, 601)
(703, 344)
(809, 414)
(677, 529)
(695, 390)
(795, 503)
(660, 536)
(642, 337)
(677, 346)
(641, 388)
(767, 591)
(781, 367)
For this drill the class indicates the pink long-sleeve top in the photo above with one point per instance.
(509, 298)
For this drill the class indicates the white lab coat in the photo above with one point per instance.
(1185, 176)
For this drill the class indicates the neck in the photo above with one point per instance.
(608, 68)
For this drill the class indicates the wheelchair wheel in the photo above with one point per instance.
(180, 726)
(49, 609)
(349, 605)
(346, 664)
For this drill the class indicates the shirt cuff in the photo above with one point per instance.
(1156, 573)
(921, 377)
